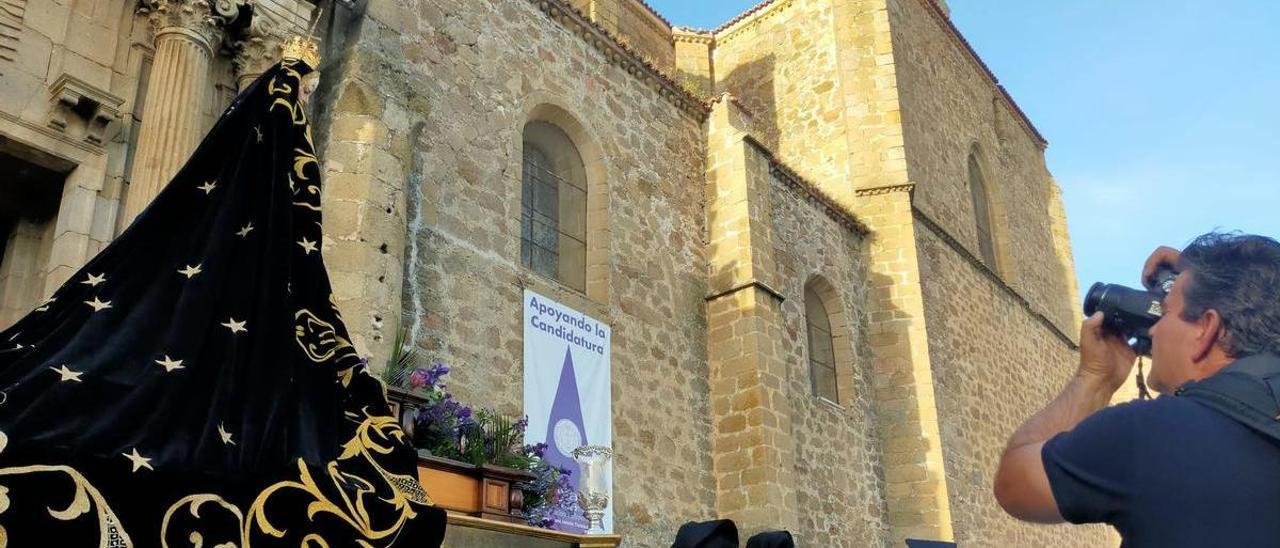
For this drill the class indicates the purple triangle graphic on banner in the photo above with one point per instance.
(566, 431)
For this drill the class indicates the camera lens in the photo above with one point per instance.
(1097, 293)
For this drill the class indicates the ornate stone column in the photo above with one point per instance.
(273, 22)
(259, 49)
(186, 32)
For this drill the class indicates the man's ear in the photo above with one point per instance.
(1210, 333)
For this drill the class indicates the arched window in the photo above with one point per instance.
(822, 355)
(553, 206)
(982, 214)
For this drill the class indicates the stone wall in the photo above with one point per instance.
(950, 107)
(839, 482)
(994, 364)
(907, 415)
(980, 317)
(22, 277)
(781, 64)
(699, 242)
(454, 105)
(869, 83)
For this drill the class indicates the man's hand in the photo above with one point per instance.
(1105, 357)
(1162, 256)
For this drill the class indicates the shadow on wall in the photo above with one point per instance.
(752, 84)
(30, 198)
(893, 409)
(341, 23)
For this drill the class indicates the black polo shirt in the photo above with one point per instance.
(1168, 472)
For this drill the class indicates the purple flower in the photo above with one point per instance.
(436, 373)
(419, 379)
(538, 450)
(520, 426)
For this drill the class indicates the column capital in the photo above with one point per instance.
(200, 20)
(259, 46)
(257, 49)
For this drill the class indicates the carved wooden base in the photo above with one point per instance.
(483, 491)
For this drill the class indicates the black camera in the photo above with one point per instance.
(1131, 312)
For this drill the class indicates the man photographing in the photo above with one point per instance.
(1198, 466)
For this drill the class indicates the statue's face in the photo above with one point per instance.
(309, 84)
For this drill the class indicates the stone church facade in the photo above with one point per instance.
(834, 262)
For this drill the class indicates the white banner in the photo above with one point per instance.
(567, 389)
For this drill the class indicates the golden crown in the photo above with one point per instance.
(303, 49)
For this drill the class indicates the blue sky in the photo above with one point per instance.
(1163, 116)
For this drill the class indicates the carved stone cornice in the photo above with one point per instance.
(880, 190)
(75, 97)
(692, 36)
(200, 20)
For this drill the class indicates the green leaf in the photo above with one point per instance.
(402, 361)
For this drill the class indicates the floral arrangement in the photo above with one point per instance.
(446, 428)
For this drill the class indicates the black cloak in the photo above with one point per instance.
(194, 383)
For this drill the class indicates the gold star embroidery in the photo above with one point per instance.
(190, 271)
(98, 305)
(95, 280)
(244, 231)
(170, 364)
(139, 461)
(67, 374)
(307, 245)
(44, 306)
(258, 130)
(234, 326)
(225, 435)
(207, 187)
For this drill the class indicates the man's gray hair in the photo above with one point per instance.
(1239, 276)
